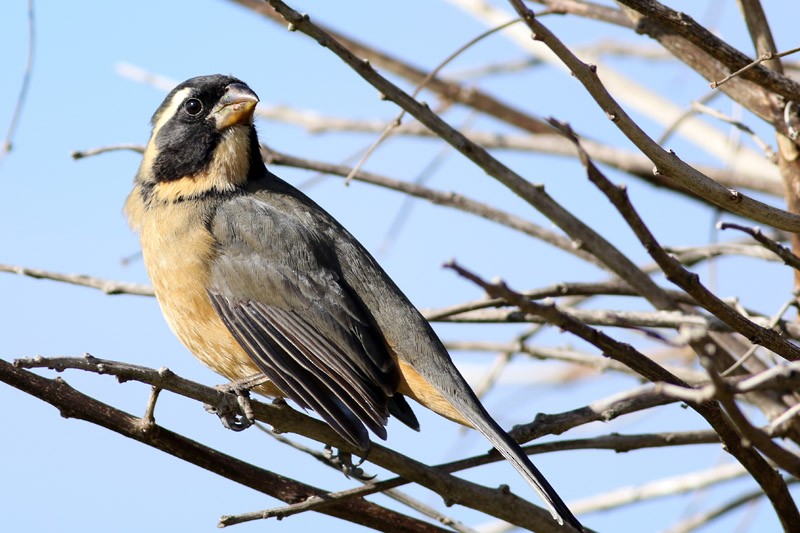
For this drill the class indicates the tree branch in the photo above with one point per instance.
(666, 162)
(767, 478)
(73, 404)
(496, 502)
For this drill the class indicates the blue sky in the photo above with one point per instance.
(66, 216)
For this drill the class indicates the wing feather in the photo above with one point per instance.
(281, 368)
(321, 365)
(283, 298)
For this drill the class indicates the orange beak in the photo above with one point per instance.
(235, 107)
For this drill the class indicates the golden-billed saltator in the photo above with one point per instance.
(255, 278)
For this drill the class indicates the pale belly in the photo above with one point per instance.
(179, 273)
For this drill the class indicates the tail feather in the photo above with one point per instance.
(514, 454)
(456, 401)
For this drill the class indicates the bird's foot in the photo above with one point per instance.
(234, 409)
(344, 462)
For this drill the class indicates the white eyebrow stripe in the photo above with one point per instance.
(169, 112)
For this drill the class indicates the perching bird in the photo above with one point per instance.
(255, 278)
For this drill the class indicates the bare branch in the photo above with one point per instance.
(766, 477)
(686, 280)
(105, 285)
(73, 404)
(751, 434)
(767, 56)
(695, 522)
(386, 487)
(394, 124)
(496, 502)
(26, 81)
(590, 10)
(80, 154)
(602, 410)
(660, 488)
(781, 251)
(658, 15)
(667, 163)
(448, 199)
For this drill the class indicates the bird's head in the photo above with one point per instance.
(203, 140)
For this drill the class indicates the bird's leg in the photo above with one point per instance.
(237, 416)
(233, 410)
(247, 383)
(344, 462)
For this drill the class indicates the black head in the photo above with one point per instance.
(198, 118)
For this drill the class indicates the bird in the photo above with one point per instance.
(255, 278)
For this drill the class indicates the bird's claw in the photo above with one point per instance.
(344, 462)
(234, 409)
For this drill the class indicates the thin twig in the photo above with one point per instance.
(493, 68)
(431, 75)
(749, 433)
(666, 162)
(149, 418)
(80, 154)
(106, 285)
(570, 374)
(677, 274)
(605, 409)
(763, 57)
(787, 415)
(26, 81)
(769, 153)
(386, 487)
(597, 317)
(781, 251)
(659, 488)
(282, 418)
(74, 404)
(697, 521)
(689, 112)
(774, 321)
(785, 377)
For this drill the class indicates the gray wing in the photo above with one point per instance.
(276, 286)
(415, 342)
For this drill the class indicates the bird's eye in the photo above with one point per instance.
(193, 106)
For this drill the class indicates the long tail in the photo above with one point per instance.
(512, 451)
(462, 406)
